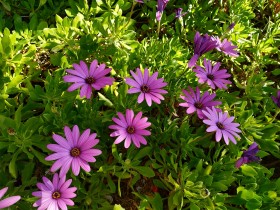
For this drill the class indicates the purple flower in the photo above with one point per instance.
(202, 44)
(214, 76)
(226, 47)
(75, 151)
(149, 87)
(129, 128)
(55, 194)
(196, 102)
(276, 99)
(248, 156)
(222, 124)
(7, 201)
(88, 79)
(161, 4)
(179, 13)
(231, 26)
(139, 1)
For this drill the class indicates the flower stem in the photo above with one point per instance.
(158, 28)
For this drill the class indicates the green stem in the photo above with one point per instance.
(158, 28)
(131, 12)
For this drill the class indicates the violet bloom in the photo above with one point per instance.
(139, 1)
(196, 103)
(88, 79)
(276, 99)
(75, 151)
(7, 201)
(231, 26)
(55, 194)
(248, 156)
(222, 124)
(214, 76)
(179, 13)
(149, 87)
(202, 44)
(129, 128)
(161, 4)
(226, 47)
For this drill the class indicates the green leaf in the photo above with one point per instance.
(142, 153)
(107, 102)
(157, 202)
(253, 204)
(118, 207)
(145, 171)
(18, 116)
(33, 22)
(12, 165)
(249, 171)
(194, 207)
(6, 5)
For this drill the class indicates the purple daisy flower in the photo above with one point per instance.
(276, 99)
(202, 44)
(196, 103)
(214, 76)
(129, 128)
(179, 13)
(222, 124)
(248, 156)
(88, 79)
(149, 87)
(55, 194)
(161, 4)
(75, 151)
(226, 47)
(7, 201)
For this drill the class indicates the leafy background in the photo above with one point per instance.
(181, 167)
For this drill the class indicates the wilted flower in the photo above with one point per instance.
(226, 47)
(179, 13)
(75, 151)
(88, 79)
(7, 201)
(214, 76)
(196, 102)
(55, 194)
(129, 128)
(161, 4)
(149, 87)
(222, 124)
(202, 44)
(248, 156)
(276, 99)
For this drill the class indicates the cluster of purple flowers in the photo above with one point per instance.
(76, 150)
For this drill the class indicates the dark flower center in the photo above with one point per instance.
(145, 89)
(75, 152)
(130, 129)
(210, 76)
(56, 195)
(90, 80)
(198, 105)
(220, 125)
